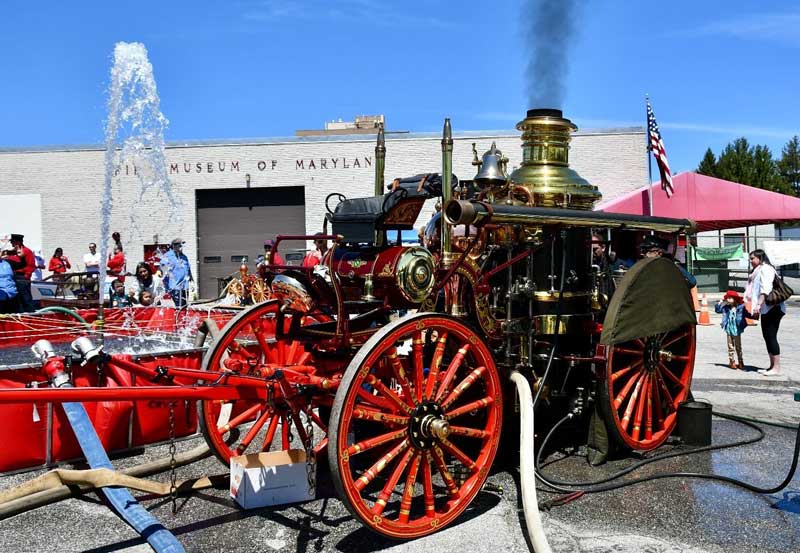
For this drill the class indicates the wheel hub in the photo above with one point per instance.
(427, 425)
(652, 353)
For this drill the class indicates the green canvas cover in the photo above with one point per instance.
(652, 298)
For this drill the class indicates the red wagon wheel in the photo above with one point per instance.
(237, 427)
(415, 425)
(646, 380)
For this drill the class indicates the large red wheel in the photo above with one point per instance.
(646, 380)
(237, 427)
(415, 425)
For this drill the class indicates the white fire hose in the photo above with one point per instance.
(527, 475)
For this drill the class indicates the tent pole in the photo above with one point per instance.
(649, 161)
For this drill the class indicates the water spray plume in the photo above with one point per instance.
(134, 134)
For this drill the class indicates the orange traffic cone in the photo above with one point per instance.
(694, 299)
(704, 319)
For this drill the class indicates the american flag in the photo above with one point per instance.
(657, 147)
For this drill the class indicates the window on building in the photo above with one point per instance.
(733, 239)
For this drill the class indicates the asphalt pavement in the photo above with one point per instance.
(689, 515)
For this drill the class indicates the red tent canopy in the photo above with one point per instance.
(714, 204)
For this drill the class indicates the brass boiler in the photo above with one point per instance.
(544, 179)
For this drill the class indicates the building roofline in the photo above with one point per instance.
(390, 136)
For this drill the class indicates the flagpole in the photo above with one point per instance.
(649, 149)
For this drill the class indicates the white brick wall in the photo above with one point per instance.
(71, 181)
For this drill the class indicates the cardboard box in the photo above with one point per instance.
(263, 479)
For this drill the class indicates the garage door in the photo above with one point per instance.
(233, 224)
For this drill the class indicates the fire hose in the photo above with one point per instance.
(145, 524)
(29, 496)
(527, 468)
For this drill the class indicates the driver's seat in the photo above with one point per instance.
(358, 219)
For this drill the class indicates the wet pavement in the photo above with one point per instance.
(663, 515)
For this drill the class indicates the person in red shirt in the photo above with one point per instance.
(22, 275)
(315, 257)
(116, 263)
(59, 263)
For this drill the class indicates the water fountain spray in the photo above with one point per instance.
(134, 134)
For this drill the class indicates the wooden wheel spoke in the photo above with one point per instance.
(383, 390)
(427, 486)
(463, 386)
(367, 414)
(400, 374)
(626, 389)
(670, 403)
(438, 459)
(656, 399)
(388, 488)
(239, 349)
(417, 363)
(370, 443)
(273, 426)
(628, 351)
(468, 432)
(679, 358)
(640, 402)
(373, 471)
(482, 403)
(670, 375)
(626, 418)
(453, 450)
(648, 410)
(408, 489)
(375, 401)
(680, 336)
(639, 342)
(436, 363)
(450, 373)
(255, 429)
(262, 340)
(240, 418)
(625, 370)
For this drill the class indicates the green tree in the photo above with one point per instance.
(708, 166)
(765, 170)
(789, 165)
(736, 162)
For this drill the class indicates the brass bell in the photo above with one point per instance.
(492, 168)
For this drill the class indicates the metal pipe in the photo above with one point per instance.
(91, 393)
(462, 212)
(380, 161)
(447, 191)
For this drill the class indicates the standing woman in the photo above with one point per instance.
(759, 286)
(59, 263)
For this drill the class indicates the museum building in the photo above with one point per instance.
(231, 195)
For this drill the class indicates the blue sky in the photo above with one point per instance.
(714, 70)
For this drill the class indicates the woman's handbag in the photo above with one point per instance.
(780, 292)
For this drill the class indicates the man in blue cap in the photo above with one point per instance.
(177, 273)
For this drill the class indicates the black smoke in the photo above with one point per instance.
(550, 29)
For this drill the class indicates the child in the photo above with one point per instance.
(117, 294)
(733, 323)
